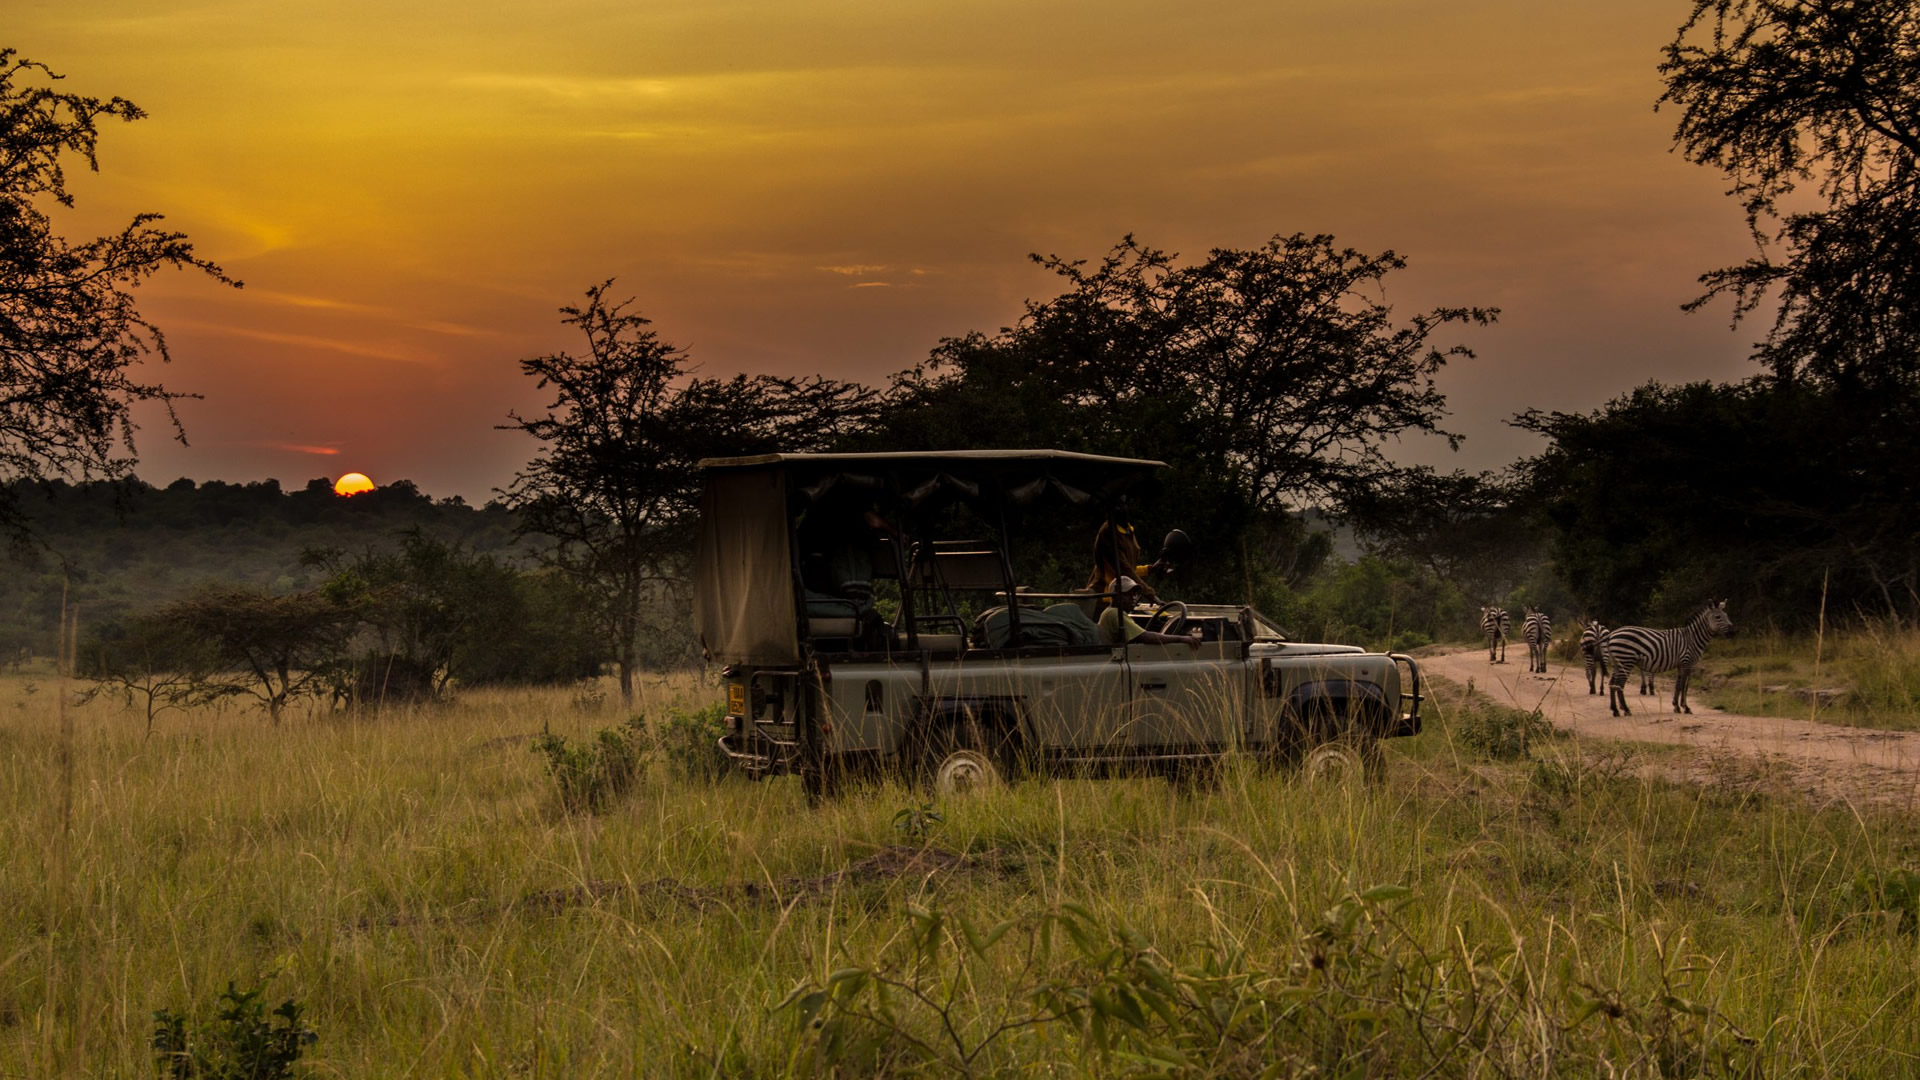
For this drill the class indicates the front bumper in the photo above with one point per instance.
(1408, 720)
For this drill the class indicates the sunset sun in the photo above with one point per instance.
(352, 484)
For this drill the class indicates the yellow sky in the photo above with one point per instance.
(410, 189)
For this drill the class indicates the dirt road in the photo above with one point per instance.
(1824, 761)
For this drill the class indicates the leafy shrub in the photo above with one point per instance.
(690, 741)
(1559, 781)
(592, 775)
(1499, 732)
(917, 822)
(1354, 995)
(243, 1041)
(1895, 892)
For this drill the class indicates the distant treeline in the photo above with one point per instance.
(117, 548)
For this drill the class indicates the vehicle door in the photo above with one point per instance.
(1183, 696)
(1076, 699)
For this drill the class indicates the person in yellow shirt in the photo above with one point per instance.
(1117, 553)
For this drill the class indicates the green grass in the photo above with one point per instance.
(412, 881)
(1870, 671)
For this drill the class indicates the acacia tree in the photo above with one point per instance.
(614, 479)
(70, 331)
(1269, 378)
(150, 664)
(1280, 364)
(275, 649)
(420, 608)
(1818, 99)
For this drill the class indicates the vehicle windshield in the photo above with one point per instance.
(1265, 629)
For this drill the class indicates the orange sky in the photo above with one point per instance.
(410, 188)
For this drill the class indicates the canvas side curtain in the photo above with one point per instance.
(743, 570)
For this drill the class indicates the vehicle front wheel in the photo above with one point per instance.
(1344, 763)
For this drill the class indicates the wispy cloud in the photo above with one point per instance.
(856, 269)
(574, 87)
(309, 341)
(323, 302)
(871, 285)
(456, 329)
(300, 448)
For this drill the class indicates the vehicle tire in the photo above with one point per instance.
(1344, 763)
(815, 784)
(960, 764)
(964, 771)
(1278, 743)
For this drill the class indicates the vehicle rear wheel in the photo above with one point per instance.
(965, 771)
(821, 781)
(960, 763)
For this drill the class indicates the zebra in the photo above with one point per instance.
(1494, 623)
(1593, 646)
(1677, 650)
(1538, 630)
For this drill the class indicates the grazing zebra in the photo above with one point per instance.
(1494, 623)
(1593, 644)
(1538, 630)
(1675, 650)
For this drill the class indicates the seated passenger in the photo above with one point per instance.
(1117, 628)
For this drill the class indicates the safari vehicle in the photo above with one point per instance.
(857, 638)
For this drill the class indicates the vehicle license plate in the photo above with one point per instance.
(737, 698)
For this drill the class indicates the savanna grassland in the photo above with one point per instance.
(1867, 675)
(1504, 904)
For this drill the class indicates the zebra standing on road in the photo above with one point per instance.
(1677, 650)
(1494, 623)
(1538, 630)
(1593, 645)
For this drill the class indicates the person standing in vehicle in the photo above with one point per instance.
(1118, 628)
(1117, 553)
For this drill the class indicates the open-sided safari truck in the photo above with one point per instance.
(856, 637)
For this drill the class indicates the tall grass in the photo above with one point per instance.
(1867, 676)
(414, 881)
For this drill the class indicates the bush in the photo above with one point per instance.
(1895, 892)
(690, 741)
(1499, 732)
(1373, 601)
(593, 775)
(242, 1042)
(1354, 995)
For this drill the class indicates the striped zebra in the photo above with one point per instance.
(1494, 624)
(1676, 650)
(1593, 644)
(1593, 647)
(1538, 630)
